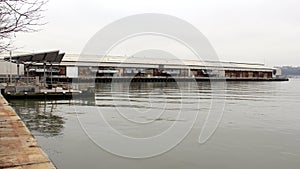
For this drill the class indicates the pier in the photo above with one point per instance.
(157, 79)
(48, 68)
(18, 147)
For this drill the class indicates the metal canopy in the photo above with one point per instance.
(43, 57)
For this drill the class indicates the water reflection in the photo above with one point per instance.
(259, 129)
(40, 117)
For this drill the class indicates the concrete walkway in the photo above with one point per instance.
(18, 147)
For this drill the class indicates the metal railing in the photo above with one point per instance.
(17, 80)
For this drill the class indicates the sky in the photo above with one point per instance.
(258, 31)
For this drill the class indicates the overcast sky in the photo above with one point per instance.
(239, 30)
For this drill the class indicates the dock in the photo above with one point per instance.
(18, 147)
(108, 79)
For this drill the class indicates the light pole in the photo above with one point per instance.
(10, 74)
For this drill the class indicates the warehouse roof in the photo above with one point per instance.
(147, 62)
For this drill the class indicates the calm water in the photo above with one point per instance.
(260, 127)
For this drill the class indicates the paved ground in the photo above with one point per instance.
(18, 147)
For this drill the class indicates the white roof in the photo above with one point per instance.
(125, 61)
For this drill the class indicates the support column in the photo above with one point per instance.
(27, 73)
(18, 74)
(51, 73)
(44, 74)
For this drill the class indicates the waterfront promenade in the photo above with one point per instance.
(18, 147)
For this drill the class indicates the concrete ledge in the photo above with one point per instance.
(157, 79)
(18, 147)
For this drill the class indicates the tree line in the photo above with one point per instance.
(290, 71)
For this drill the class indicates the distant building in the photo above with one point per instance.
(73, 66)
(149, 67)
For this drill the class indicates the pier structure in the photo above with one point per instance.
(18, 147)
(67, 67)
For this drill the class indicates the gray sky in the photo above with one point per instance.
(240, 30)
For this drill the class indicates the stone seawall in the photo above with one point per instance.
(18, 147)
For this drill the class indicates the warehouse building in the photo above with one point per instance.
(60, 65)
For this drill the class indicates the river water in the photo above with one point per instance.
(260, 126)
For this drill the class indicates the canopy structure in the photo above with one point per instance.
(43, 57)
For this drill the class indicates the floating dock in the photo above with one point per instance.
(18, 147)
(46, 94)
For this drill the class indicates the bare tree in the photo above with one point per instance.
(18, 16)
